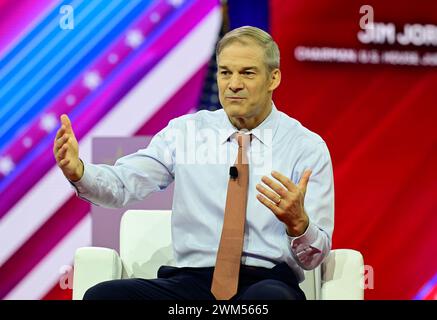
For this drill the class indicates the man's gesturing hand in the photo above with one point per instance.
(66, 151)
(286, 200)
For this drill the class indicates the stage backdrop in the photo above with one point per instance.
(118, 68)
(370, 92)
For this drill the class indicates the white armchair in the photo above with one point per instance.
(145, 244)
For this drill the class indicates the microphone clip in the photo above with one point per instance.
(233, 172)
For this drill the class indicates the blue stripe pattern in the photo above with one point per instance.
(96, 26)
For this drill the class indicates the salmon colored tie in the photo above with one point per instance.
(227, 267)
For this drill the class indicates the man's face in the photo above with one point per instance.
(245, 86)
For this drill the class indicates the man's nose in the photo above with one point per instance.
(235, 84)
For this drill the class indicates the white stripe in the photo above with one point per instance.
(49, 271)
(47, 196)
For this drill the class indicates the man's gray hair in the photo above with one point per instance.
(262, 38)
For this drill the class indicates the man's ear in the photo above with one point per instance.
(275, 79)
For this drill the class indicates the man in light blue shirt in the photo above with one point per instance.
(290, 206)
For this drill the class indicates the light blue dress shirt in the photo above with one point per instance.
(195, 151)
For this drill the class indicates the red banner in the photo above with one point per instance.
(364, 77)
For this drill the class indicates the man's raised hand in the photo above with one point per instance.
(286, 200)
(66, 151)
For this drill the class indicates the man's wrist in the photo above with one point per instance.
(79, 172)
(298, 229)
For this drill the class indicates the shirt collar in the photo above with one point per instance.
(271, 122)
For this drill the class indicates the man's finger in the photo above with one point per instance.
(284, 180)
(65, 120)
(303, 182)
(59, 143)
(60, 132)
(279, 189)
(64, 162)
(273, 196)
(63, 140)
(62, 152)
(272, 206)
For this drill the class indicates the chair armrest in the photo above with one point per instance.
(93, 265)
(343, 275)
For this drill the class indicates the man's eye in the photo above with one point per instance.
(225, 73)
(249, 73)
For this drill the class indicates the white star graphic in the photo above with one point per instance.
(70, 99)
(176, 3)
(92, 80)
(48, 122)
(155, 17)
(134, 38)
(27, 142)
(6, 165)
(113, 58)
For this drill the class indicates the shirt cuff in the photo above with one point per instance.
(306, 239)
(85, 182)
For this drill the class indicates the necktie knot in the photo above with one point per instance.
(243, 139)
(243, 144)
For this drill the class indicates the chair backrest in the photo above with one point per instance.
(343, 275)
(145, 245)
(312, 283)
(145, 242)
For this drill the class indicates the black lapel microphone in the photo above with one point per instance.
(233, 172)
